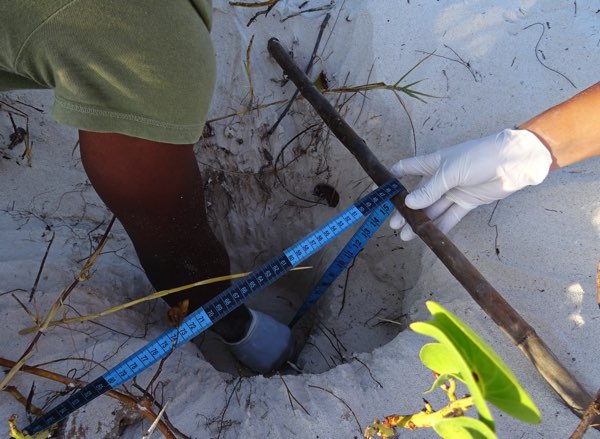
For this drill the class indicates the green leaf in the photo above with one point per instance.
(447, 360)
(463, 428)
(439, 359)
(472, 360)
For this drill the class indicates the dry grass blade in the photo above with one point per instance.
(396, 87)
(407, 89)
(152, 296)
(248, 110)
(28, 153)
(83, 275)
(389, 321)
(155, 423)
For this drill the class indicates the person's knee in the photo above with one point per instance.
(137, 174)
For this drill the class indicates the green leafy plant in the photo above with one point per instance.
(461, 355)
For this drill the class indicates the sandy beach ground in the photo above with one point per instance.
(489, 65)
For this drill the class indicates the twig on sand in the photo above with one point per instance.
(221, 421)
(317, 9)
(329, 366)
(368, 370)
(338, 346)
(342, 401)
(248, 70)
(269, 3)
(292, 397)
(41, 269)
(280, 156)
(121, 397)
(155, 423)
(495, 226)
(306, 70)
(537, 53)
(598, 284)
(346, 286)
(593, 411)
(150, 399)
(83, 275)
(19, 134)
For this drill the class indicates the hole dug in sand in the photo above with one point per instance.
(362, 310)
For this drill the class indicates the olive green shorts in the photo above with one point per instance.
(144, 68)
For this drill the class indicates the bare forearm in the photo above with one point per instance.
(570, 130)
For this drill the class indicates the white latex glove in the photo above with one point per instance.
(462, 177)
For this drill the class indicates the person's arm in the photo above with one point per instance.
(570, 130)
(477, 172)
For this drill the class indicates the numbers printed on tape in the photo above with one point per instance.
(346, 255)
(201, 319)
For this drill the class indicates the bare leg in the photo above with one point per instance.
(156, 191)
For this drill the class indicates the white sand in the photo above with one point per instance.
(547, 235)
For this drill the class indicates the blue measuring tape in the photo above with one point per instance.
(346, 255)
(218, 307)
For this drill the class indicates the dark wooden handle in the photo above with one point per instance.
(504, 315)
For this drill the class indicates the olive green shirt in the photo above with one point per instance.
(144, 68)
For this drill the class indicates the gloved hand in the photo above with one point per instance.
(267, 345)
(470, 174)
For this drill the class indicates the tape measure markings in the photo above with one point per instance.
(215, 309)
(346, 255)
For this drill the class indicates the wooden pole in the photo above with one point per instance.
(504, 315)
